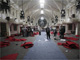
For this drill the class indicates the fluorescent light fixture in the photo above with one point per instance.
(41, 5)
(42, 18)
(42, 12)
(42, 1)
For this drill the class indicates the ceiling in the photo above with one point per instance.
(51, 7)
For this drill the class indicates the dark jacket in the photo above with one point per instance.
(55, 31)
(62, 30)
(47, 30)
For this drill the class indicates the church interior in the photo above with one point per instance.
(25, 26)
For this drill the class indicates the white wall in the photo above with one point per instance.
(15, 32)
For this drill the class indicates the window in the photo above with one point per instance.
(15, 27)
(70, 27)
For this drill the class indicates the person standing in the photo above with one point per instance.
(48, 32)
(27, 32)
(39, 30)
(24, 31)
(62, 31)
(55, 33)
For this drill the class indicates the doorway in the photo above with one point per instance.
(3, 29)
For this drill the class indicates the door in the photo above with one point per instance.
(3, 29)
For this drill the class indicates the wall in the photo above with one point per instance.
(13, 31)
(71, 9)
(15, 13)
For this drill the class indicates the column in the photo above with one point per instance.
(18, 29)
(66, 28)
(77, 29)
(8, 29)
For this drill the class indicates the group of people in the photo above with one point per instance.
(26, 31)
(48, 32)
(61, 31)
(29, 31)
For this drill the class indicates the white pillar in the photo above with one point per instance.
(8, 29)
(66, 28)
(18, 28)
(77, 29)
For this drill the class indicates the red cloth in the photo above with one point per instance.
(17, 34)
(14, 39)
(32, 35)
(35, 33)
(66, 45)
(18, 39)
(59, 43)
(27, 45)
(9, 57)
(70, 45)
(51, 32)
(23, 39)
(71, 38)
(9, 37)
(77, 35)
(58, 33)
(4, 44)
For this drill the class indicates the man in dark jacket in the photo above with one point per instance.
(62, 31)
(24, 31)
(48, 32)
(55, 32)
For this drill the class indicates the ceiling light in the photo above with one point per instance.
(42, 1)
(42, 18)
(41, 5)
(42, 12)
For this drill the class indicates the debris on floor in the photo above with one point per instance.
(66, 51)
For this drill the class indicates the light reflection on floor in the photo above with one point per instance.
(45, 40)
